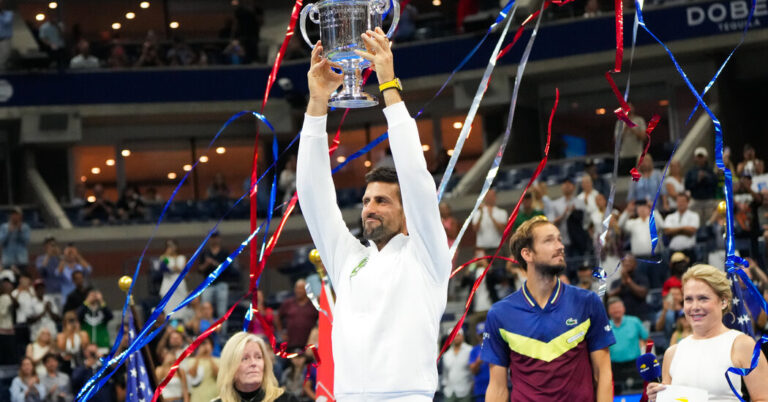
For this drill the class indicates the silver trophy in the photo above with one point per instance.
(342, 22)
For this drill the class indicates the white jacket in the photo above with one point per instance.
(387, 315)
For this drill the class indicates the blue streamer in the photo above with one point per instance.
(362, 151)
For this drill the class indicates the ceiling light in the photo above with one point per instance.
(130, 15)
(83, 179)
(187, 168)
(425, 147)
(174, 24)
(457, 125)
(40, 17)
(116, 25)
(221, 150)
(52, 5)
(144, 4)
(449, 152)
(341, 159)
(110, 162)
(171, 175)
(600, 111)
(663, 102)
(126, 153)
(91, 198)
(95, 170)
(436, 3)
(203, 159)
(367, 163)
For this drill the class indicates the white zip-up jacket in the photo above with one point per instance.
(387, 314)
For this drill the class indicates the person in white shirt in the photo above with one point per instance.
(588, 194)
(457, 379)
(639, 232)
(84, 59)
(681, 226)
(390, 295)
(489, 222)
(569, 210)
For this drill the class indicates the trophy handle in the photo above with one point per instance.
(314, 15)
(382, 6)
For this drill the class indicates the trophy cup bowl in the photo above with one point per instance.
(342, 23)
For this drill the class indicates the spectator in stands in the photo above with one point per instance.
(150, 55)
(406, 29)
(6, 34)
(456, 376)
(568, 214)
(637, 228)
(171, 265)
(267, 313)
(248, 22)
(682, 329)
(632, 288)
(751, 165)
(203, 323)
(71, 263)
(47, 264)
(213, 255)
(489, 222)
(84, 59)
(598, 182)
(89, 367)
(701, 182)
(632, 140)
(747, 219)
(678, 264)
(117, 56)
(151, 197)
(673, 184)
(131, 206)
(14, 240)
(177, 390)
(39, 348)
(26, 386)
(480, 369)
(294, 375)
(296, 317)
(586, 280)
(24, 295)
(94, 316)
(57, 385)
(180, 54)
(541, 200)
(681, 227)
(631, 336)
(450, 224)
(44, 310)
(77, 296)
(645, 188)
(8, 351)
(234, 53)
(588, 193)
(202, 373)
(665, 319)
(597, 216)
(218, 194)
(52, 36)
(527, 211)
(71, 341)
(592, 9)
(287, 182)
(100, 210)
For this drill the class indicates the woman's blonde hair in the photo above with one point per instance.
(231, 355)
(715, 278)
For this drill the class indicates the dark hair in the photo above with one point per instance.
(527, 196)
(523, 238)
(384, 174)
(49, 356)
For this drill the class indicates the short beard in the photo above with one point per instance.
(550, 270)
(378, 234)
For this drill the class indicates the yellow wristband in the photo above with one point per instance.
(391, 84)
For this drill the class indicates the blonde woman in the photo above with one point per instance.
(171, 264)
(701, 359)
(245, 373)
(37, 350)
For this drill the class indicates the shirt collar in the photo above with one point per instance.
(394, 243)
(556, 293)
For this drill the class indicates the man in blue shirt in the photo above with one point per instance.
(14, 239)
(480, 369)
(630, 340)
(552, 339)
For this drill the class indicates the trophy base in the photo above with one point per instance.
(359, 100)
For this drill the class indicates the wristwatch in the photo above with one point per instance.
(391, 84)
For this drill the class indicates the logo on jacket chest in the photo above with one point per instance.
(359, 266)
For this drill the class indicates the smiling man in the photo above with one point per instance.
(552, 339)
(390, 295)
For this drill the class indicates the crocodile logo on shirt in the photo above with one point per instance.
(571, 322)
(359, 266)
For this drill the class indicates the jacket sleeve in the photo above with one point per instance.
(317, 197)
(418, 191)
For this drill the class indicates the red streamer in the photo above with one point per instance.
(651, 125)
(623, 111)
(485, 257)
(507, 230)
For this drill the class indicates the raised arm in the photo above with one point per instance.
(416, 184)
(313, 170)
